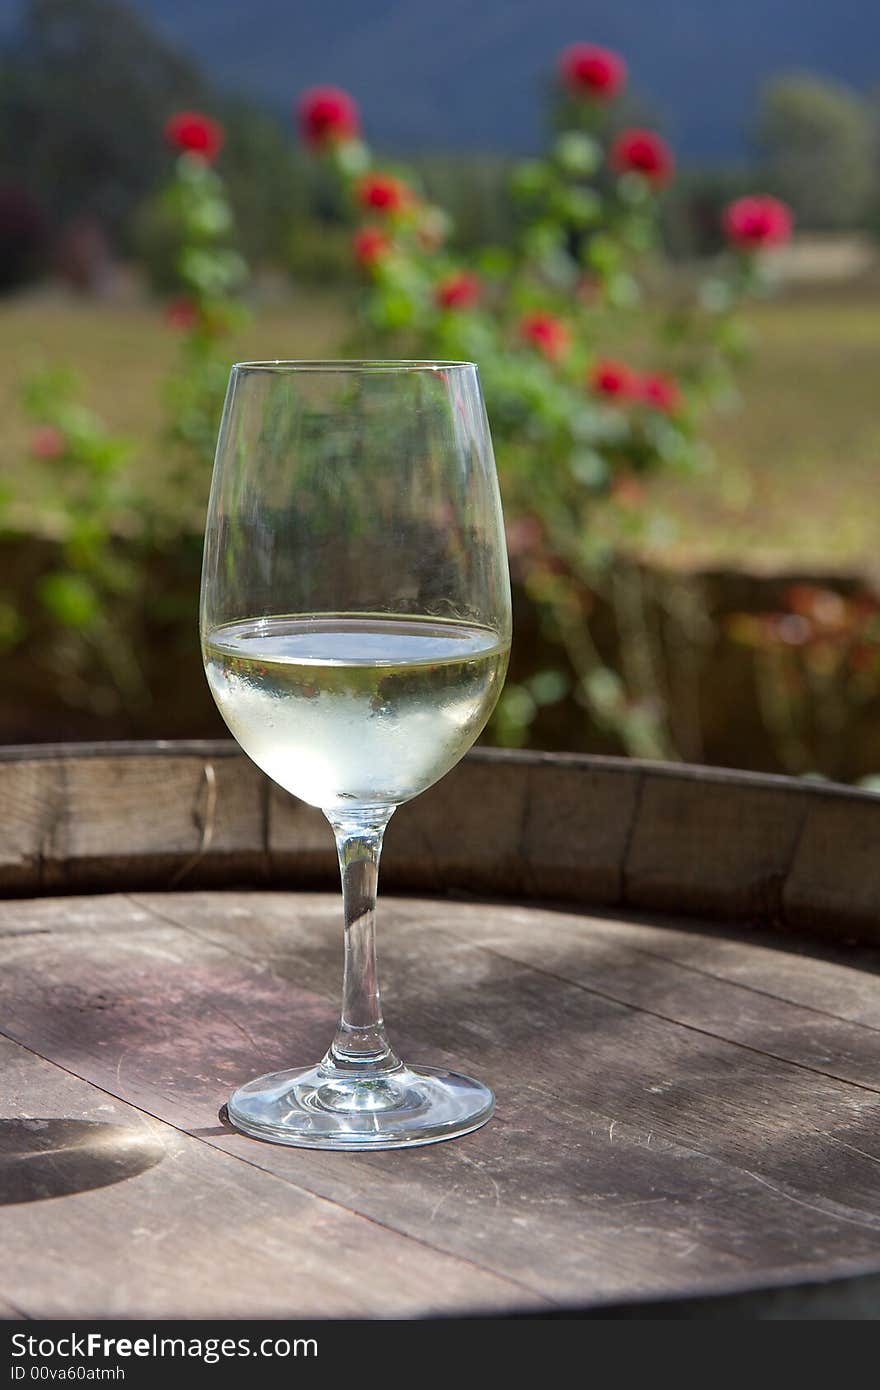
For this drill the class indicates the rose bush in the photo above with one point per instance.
(593, 380)
(577, 428)
(95, 594)
(91, 594)
(210, 274)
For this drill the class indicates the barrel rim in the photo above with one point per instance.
(516, 757)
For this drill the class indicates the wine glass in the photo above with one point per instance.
(355, 627)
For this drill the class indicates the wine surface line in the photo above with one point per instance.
(354, 710)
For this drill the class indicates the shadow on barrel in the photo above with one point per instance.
(42, 1158)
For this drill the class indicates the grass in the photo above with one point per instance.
(797, 474)
(796, 479)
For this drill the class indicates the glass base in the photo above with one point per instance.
(325, 1107)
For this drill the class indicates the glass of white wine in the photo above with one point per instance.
(355, 626)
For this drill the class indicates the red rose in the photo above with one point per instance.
(370, 245)
(195, 133)
(48, 442)
(382, 193)
(458, 291)
(610, 378)
(327, 115)
(756, 221)
(661, 391)
(643, 152)
(588, 70)
(547, 333)
(182, 313)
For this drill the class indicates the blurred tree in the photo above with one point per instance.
(873, 103)
(84, 87)
(74, 148)
(475, 191)
(815, 140)
(22, 237)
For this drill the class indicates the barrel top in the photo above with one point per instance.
(684, 1111)
(630, 954)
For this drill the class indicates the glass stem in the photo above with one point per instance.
(360, 1044)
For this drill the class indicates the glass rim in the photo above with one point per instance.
(354, 364)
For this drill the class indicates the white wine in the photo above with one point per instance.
(366, 710)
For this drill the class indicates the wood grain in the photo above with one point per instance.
(835, 876)
(136, 1219)
(599, 832)
(662, 1127)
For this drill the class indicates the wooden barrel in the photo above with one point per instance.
(666, 973)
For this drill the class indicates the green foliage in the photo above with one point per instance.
(71, 599)
(209, 274)
(90, 595)
(577, 244)
(521, 701)
(818, 148)
(93, 602)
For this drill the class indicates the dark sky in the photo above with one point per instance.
(469, 73)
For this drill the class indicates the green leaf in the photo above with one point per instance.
(392, 307)
(515, 712)
(211, 272)
(634, 189)
(605, 690)
(495, 260)
(590, 468)
(559, 270)
(622, 290)
(579, 206)
(549, 687)
(603, 253)
(542, 239)
(577, 153)
(530, 179)
(196, 176)
(48, 392)
(639, 234)
(12, 624)
(735, 337)
(70, 598)
(210, 219)
(351, 158)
